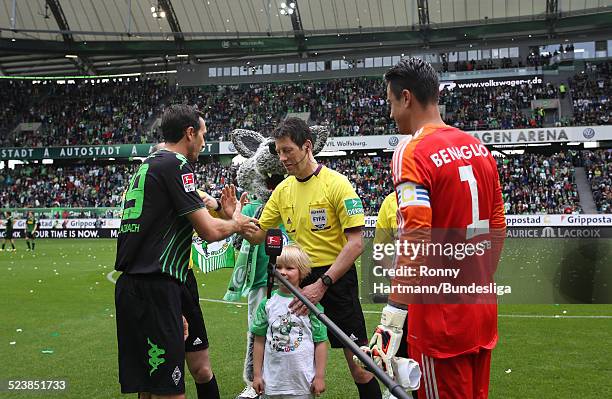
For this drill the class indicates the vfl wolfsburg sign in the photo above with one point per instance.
(84, 152)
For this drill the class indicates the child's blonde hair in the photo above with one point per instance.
(294, 255)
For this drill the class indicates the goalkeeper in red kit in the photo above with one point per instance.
(447, 188)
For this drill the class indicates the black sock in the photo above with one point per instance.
(208, 390)
(369, 390)
(33, 244)
(12, 245)
(2, 245)
(28, 242)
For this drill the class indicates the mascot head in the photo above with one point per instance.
(262, 171)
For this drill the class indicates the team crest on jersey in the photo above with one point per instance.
(318, 217)
(188, 182)
(412, 194)
(176, 375)
(286, 240)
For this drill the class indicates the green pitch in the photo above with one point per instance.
(57, 322)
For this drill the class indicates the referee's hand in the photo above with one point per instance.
(313, 292)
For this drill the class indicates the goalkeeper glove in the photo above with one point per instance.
(386, 339)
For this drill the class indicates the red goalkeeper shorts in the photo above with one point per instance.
(465, 376)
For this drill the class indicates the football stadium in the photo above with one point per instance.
(303, 198)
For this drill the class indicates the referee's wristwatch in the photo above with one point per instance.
(327, 281)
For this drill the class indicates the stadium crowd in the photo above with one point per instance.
(350, 107)
(213, 176)
(530, 183)
(537, 184)
(14, 108)
(102, 186)
(124, 111)
(371, 177)
(357, 106)
(479, 108)
(598, 166)
(473, 65)
(591, 93)
(47, 186)
(84, 113)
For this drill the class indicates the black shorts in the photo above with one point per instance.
(342, 306)
(8, 235)
(150, 334)
(31, 235)
(197, 339)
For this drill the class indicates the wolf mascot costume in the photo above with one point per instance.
(259, 174)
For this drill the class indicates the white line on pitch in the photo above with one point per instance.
(222, 301)
(557, 316)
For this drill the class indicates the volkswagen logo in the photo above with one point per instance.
(393, 140)
(447, 85)
(231, 147)
(588, 133)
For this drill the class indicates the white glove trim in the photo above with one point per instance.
(393, 317)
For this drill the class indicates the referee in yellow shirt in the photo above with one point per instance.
(386, 233)
(386, 226)
(386, 222)
(323, 214)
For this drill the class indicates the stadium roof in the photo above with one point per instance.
(121, 35)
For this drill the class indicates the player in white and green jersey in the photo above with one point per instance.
(290, 351)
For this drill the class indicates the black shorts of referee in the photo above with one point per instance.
(341, 304)
(190, 299)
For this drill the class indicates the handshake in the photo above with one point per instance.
(384, 345)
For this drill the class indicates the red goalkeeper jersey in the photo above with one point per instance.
(446, 180)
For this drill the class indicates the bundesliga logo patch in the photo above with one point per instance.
(188, 182)
(274, 240)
